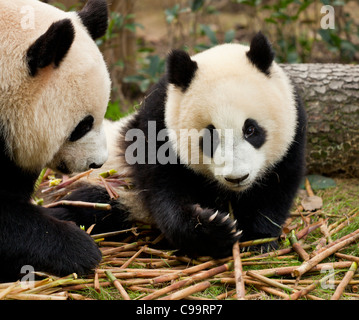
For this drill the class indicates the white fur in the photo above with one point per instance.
(227, 90)
(41, 112)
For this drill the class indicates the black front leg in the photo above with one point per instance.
(30, 236)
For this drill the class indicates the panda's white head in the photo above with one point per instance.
(54, 85)
(241, 105)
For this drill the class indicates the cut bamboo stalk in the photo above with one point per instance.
(69, 181)
(305, 291)
(238, 273)
(348, 276)
(273, 291)
(6, 291)
(181, 294)
(96, 282)
(297, 247)
(80, 204)
(314, 253)
(129, 261)
(347, 257)
(118, 285)
(184, 272)
(271, 282)
(31, 296)
(196, 277)
(307, 265)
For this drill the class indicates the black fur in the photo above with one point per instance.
(82, 128)
(181, 69)
(258, 136)
(29, 235)
(94, 16)
(51, 47)
(261, 53)
(182, 201)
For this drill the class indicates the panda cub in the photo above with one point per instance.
(54, 91)
(222, 132)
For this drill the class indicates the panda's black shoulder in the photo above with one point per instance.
(15, 182)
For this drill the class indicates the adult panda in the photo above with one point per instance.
(223, 131)
(54, 90)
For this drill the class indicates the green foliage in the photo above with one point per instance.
(152, 67)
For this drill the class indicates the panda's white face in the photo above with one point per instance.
(54, 85)
(247, 117)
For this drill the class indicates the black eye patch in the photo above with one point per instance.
(254, 133)
(84, 126)
(210, 141)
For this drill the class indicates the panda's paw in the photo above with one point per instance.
(216, 232)
(81, 254)
(63, 248)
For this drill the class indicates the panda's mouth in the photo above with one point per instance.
(62, 167)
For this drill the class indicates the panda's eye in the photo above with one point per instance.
(254, 133)
(249, 131)
(83, 127)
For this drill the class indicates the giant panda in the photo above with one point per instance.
(54, 91)
(215, 153)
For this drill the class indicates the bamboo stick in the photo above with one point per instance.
(184, 272)
(348, 276)
(181, 294)
(297, 247)
(196, 277)
(113, 233)
(96, 282)
(273, 291)
(347, 257)
(305, 291)
(256, 242)
(238, 272)
(271, 282)
(314, 253)
(129, 261)
(80, 204)
(118, 285)
(6, 291)
(307, 265)
(68, 181)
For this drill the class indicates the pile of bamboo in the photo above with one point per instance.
(160, 274)
(137, 268)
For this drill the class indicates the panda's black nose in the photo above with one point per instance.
(95, 165)
(236, 180)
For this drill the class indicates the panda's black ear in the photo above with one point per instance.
(51, 47)
(181, 69)
(261, 53)
(94, 16)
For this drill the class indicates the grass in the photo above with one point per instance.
(338, 202)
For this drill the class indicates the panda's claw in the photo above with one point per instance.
(234, 223)
(238, 233)
(225, 218)
(213, 216)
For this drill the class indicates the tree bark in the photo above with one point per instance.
(330, 93)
